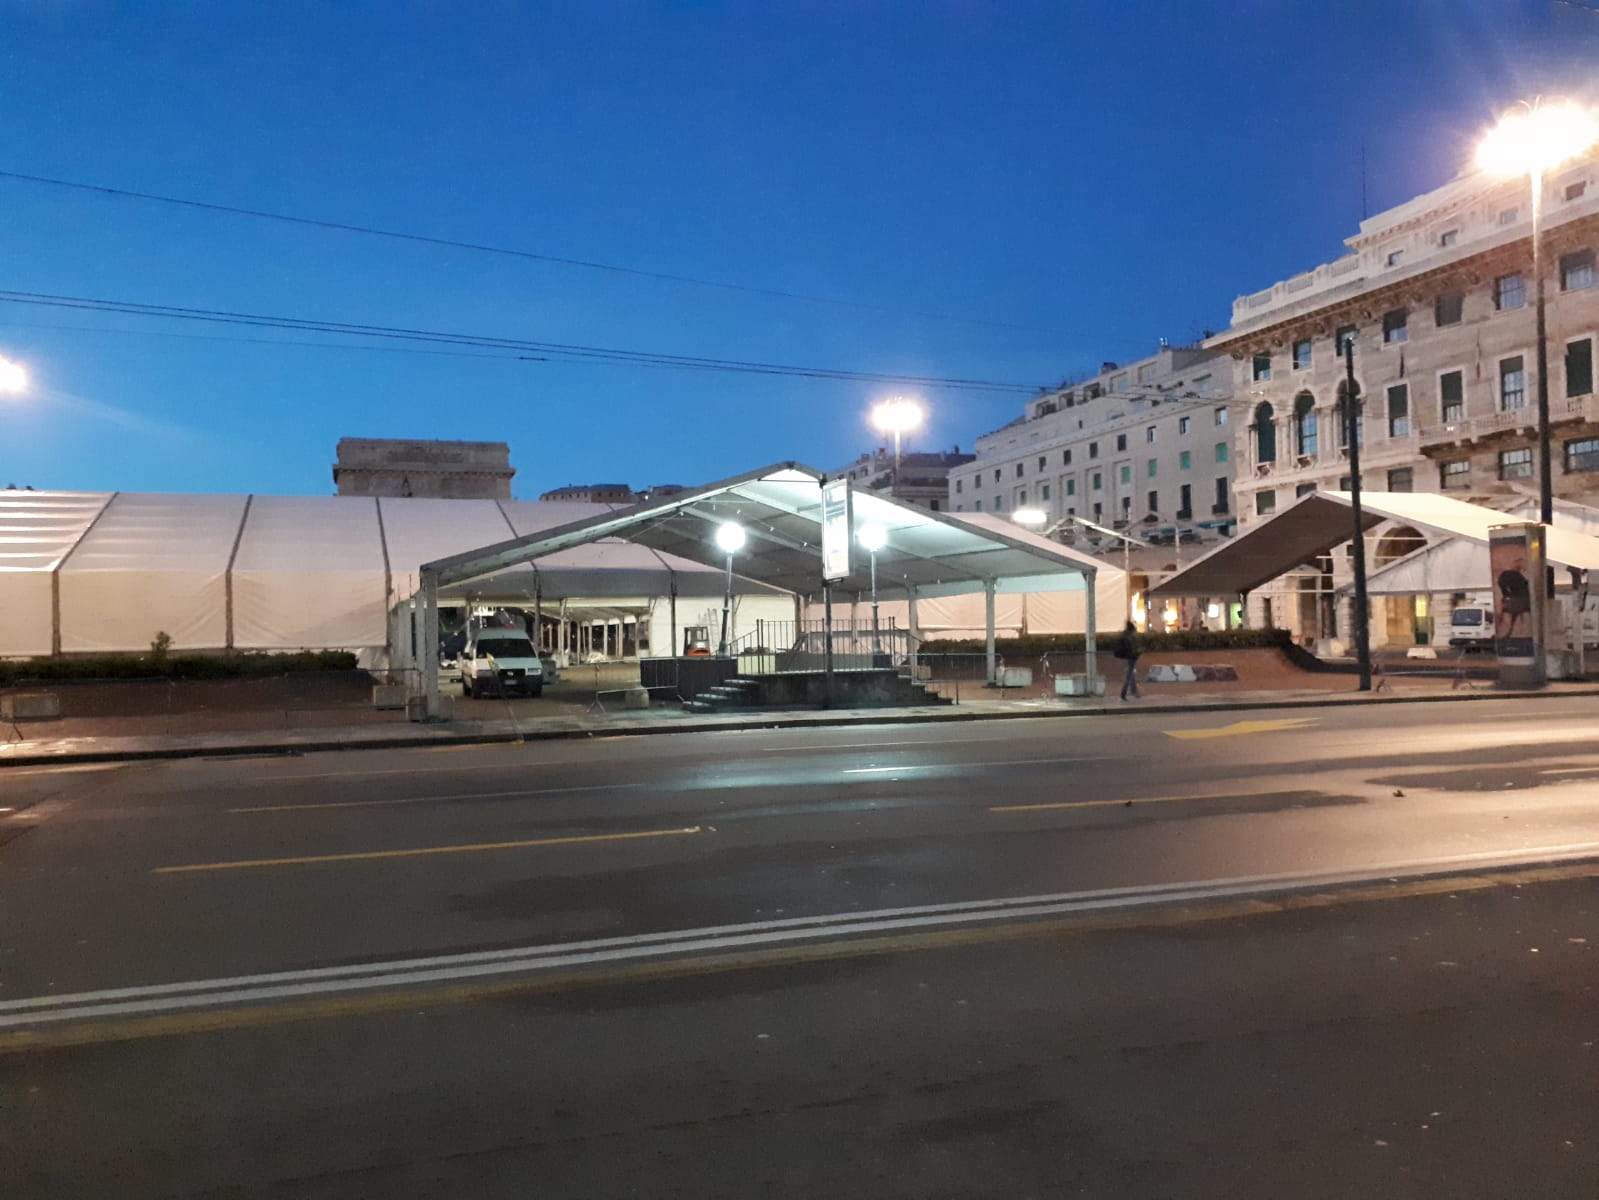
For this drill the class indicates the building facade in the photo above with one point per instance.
(1145, 448)
(592, 493)
(1437, 298)
(1136, 447)
(397, 467)
(923, 478)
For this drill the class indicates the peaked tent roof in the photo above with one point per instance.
(780, 508)
(1321, 520)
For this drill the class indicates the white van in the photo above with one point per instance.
(1471, 627)
(500, 662)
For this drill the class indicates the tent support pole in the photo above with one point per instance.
(430, 644)
(913, 634)
(676, 650)
(1090, 641)
(988, 630)
(538, 610)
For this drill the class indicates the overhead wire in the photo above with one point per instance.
(511, 252)
(562, 350)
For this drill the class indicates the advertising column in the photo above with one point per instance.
(1516, 560)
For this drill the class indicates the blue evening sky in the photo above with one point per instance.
(1074, 180)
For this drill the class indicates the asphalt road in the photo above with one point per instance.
(901, 1044)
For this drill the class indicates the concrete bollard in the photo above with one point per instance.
(636, 698)
(388, 695)
(30, 706)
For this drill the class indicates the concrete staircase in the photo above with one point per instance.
(853, 689)
(735, 693)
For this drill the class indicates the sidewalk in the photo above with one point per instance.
(30, 744)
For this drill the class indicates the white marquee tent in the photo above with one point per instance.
(96, 572)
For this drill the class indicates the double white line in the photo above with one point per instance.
(532, 961)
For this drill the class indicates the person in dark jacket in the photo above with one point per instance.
(1128, 648)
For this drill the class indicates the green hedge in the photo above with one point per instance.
(1154, 643)
(176, 666)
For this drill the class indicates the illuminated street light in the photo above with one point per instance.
(730, 538)
(873, 538)
(13, 377)
(897, 415)
(1529, 140)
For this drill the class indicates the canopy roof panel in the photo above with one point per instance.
(1318, 522)
(780, 510)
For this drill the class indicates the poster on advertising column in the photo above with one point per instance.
(836, 521)
(1515, 559)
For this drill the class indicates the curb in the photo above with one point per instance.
(879, 717)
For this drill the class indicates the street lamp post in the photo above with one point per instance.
(1530, 140)
(874, 538)
(1351, 416)
(897, 415)
(730, 537)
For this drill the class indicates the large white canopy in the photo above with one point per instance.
(1321, 520)
(102, 571)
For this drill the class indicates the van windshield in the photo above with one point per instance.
(505, 647)
(1466, 616)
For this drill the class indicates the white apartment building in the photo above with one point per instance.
(922, 478)
(1145, 447)
(1437, 297)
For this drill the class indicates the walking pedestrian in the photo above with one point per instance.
(1128, 648)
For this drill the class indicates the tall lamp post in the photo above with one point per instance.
(730, 538)
(1529, 140)
(873, 538)
(897, 415)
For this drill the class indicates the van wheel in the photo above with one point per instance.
(536, 691)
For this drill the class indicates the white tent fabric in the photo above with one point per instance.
(1015, 614)
(309, 573)
(1319, 521)
(37, 532)
(151, 564)
(1461, 564)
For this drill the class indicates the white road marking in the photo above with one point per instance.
(321, 981)
(555, 791)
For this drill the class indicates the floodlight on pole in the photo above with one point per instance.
(13, 377)
(730, 538)
(897, 415)
(1529, 140)
(873, 538)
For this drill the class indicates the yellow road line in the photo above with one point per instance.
(1238, 728)
(271, 808)
(1120, 801)
(369, 855)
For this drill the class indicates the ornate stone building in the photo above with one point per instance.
(1437, 297)
(406, 467)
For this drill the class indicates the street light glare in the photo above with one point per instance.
(13, 377)
(1029, 516)
(730, 537)
(898, 414)
(872, 537)
(1537, 138)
